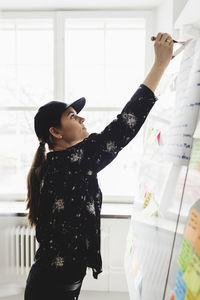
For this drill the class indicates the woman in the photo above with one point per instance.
(64, 198)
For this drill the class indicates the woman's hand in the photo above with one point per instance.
(163, 47)
(163, 55)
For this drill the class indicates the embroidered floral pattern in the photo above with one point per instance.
(58, 261)
(111, 146)
(130, 119)
(77, 157)
(58, 205)
(91, 208)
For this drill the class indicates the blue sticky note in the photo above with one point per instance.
(180, 287)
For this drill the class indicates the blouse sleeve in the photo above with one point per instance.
(99, 149)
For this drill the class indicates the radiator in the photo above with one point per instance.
(22, 246)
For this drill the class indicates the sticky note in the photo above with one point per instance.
(137, 272)
(180, 287)
(132, 250)
(195, 156)
(189, 296)
(130, 241)
(152, 208)
(197, 241)
(147, 199)
(136, 267)
(192, 227)
(192, 275)
(149, 132)
(158, 138)
(185, 254)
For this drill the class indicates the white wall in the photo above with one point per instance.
(178, 6)
(166, 15)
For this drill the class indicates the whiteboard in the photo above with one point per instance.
(168, 184)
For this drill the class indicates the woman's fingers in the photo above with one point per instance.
(163, 49)
(159, 36)
(162, 37)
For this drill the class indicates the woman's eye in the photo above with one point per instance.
(73, 115)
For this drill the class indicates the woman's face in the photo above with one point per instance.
(72, 129)
(72, 125)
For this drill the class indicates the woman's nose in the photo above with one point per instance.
(82, 119)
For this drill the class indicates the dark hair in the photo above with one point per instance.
(34, 178)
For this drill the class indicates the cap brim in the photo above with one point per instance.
(78, 104)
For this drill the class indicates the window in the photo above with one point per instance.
(64, 56)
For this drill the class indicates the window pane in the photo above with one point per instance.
(19, 144)
(117, 90)
(84, 47)
(34, 47)
(7, 49)
(8, 85)
(35, 85)
(125, 47)
(109, 61)
(83, 80)
(26, 61)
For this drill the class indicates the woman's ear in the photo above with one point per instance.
(54, 132)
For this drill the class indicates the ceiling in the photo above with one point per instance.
(77, 4)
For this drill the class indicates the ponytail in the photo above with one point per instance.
(34, 180)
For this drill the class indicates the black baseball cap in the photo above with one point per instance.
(50, 113)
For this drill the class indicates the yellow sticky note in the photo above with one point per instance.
(192, 227)
(147, 199)
(195, 156)
(192, 275)
(189, 296)
(151, 209)
(185, 254)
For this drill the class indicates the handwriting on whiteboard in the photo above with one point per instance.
(178, 138)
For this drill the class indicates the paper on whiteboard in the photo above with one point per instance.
(178, 137)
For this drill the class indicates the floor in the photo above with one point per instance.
(84, 295)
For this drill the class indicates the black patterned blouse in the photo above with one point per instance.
(68, 225)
